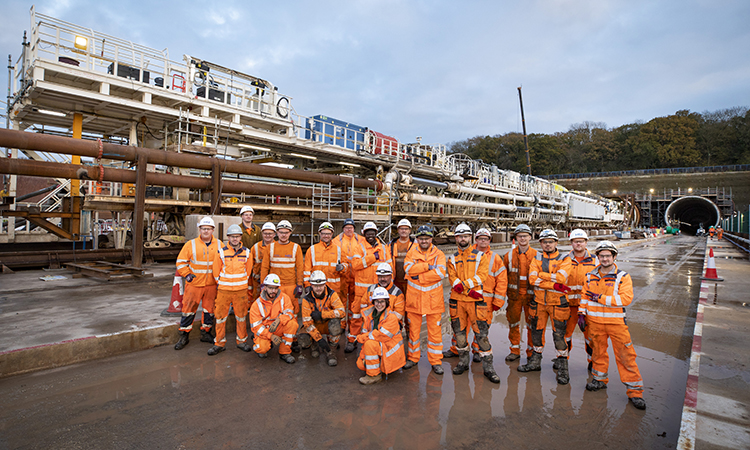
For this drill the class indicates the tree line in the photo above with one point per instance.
(684, 139)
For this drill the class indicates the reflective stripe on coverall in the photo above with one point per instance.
(330, 307)
(424, 297)
(364, 263)
(397, 301)
(197, 257)
(286, 261)
(470, 269)
(263, 313)
(259, 253)
(575, 282)
(382, 347)
(545, 271)
(324, 258)
(519, 294)
(398, 261)
(231, 270)
(349, 246)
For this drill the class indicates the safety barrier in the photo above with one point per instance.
(675, 170)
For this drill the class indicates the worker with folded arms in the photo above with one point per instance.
(381, 340)
(548, 275)
(195, 265)
(517, 262)
(231, 270)
(608, 290)
(273, 320)
(251, 234)
(322, 311)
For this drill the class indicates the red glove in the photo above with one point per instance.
(459, 287)
(495, 308)
(582, 322)
(474, 294)
(559, 287)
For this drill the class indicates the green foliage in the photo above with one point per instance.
(683, 139)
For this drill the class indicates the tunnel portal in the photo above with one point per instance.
(689, 212)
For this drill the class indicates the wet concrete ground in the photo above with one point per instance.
(161, 398)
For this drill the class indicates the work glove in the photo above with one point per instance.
(339, 267)
(495, 307)
(458, 287)
(592, 296)
(298, 291)
(256, 276)
(317, 316)
(415, 278)
(377, 255)
(431, 267)
(582, 322)
(474, 294)
(361, 338)
(190, 277)
(559, 287)
(323, 344)
(275, 325)
(276, 340)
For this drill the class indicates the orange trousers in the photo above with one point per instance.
(289, 291)
(434, 337)
(356, 321)
(476, 316)
(570, 328)
(190, 300)
(513, 315)
(558, 315)
(624, 356)
(369, 358)
(238, 299)
(285, 332)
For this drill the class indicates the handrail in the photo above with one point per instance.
(665, 171)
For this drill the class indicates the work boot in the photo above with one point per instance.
(591, 365)
(215, 350)
(350, 347)
(463, 362)
(638, 402)
(367, 379)
(262, 355)
(595, 385)
(332, 361)
(512, 357)
(477, 357)
(289, 359)
(438, 369)
(409, 364)
(315, 350)
(562, 372)
(295, 347)
(245, 347)
(183, 341)
(449, 354)
(489, 369)
(206, 336)
(533, 364)
(556, 363)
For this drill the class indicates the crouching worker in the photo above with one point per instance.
(322, 311)
(273, 321)
(381, 340)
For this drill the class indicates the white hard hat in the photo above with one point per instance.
(325, 226)
(549, 233)
(206, 222)
(483, 232)
(462, 229)
(380, 292)
(284, 224)
(234, 229)
(369, 226)
(268, 226)
(384, 269)
(605, 245)
(578, 234)
(523, 228)
(272, 280)
(318, 277)
(404, 223)
(247, 209)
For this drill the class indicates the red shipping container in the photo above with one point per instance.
(383, 144)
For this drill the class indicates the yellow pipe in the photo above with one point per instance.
(76, 159)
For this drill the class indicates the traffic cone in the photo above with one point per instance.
(711, 274)
(175, 302)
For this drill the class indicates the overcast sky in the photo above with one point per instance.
(448, 70)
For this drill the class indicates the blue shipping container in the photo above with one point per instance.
(335, 132)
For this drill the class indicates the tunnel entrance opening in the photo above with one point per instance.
(690, 212)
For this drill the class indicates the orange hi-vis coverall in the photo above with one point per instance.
(605, 318)
(425, 272)
(286, 261)
(259, 252)
(382, 344)
(231, 270)
(398, 253)
(325, 258)
(263, 313)
(364, 262)
(546, 270)
(576, 280)
(349, 247)
(397, 300)
(468, 270)
(519, 294)
(197, 258)
(330, 307)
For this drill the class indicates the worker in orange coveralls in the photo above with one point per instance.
(606, 293)
(517, 262)
(400, 246)
(285, 260)
(350, 243)
(548, 275)
(231, 270)
(397, 302)
(273, 320)
(194, 264)
(327, 257)
(424, 267)
(381, 340)
(322, 312)
(259, 251)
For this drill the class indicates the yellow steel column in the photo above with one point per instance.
(77, 134)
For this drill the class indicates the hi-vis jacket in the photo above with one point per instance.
(264, 311)
(470, 268)
(517, 264)
(391, 356)
(285, 260)
(232, 268)
(398, 258)
(396, 300)
(197, 257)
(545, 271)
(496, 285)
(330, 307)
(259, 252)
(578, 275)
(349, 246)
(615, 291)
(364, 263)
(324, 258)
(425, 292)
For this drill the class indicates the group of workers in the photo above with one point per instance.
(718, 232)
(379, 295)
